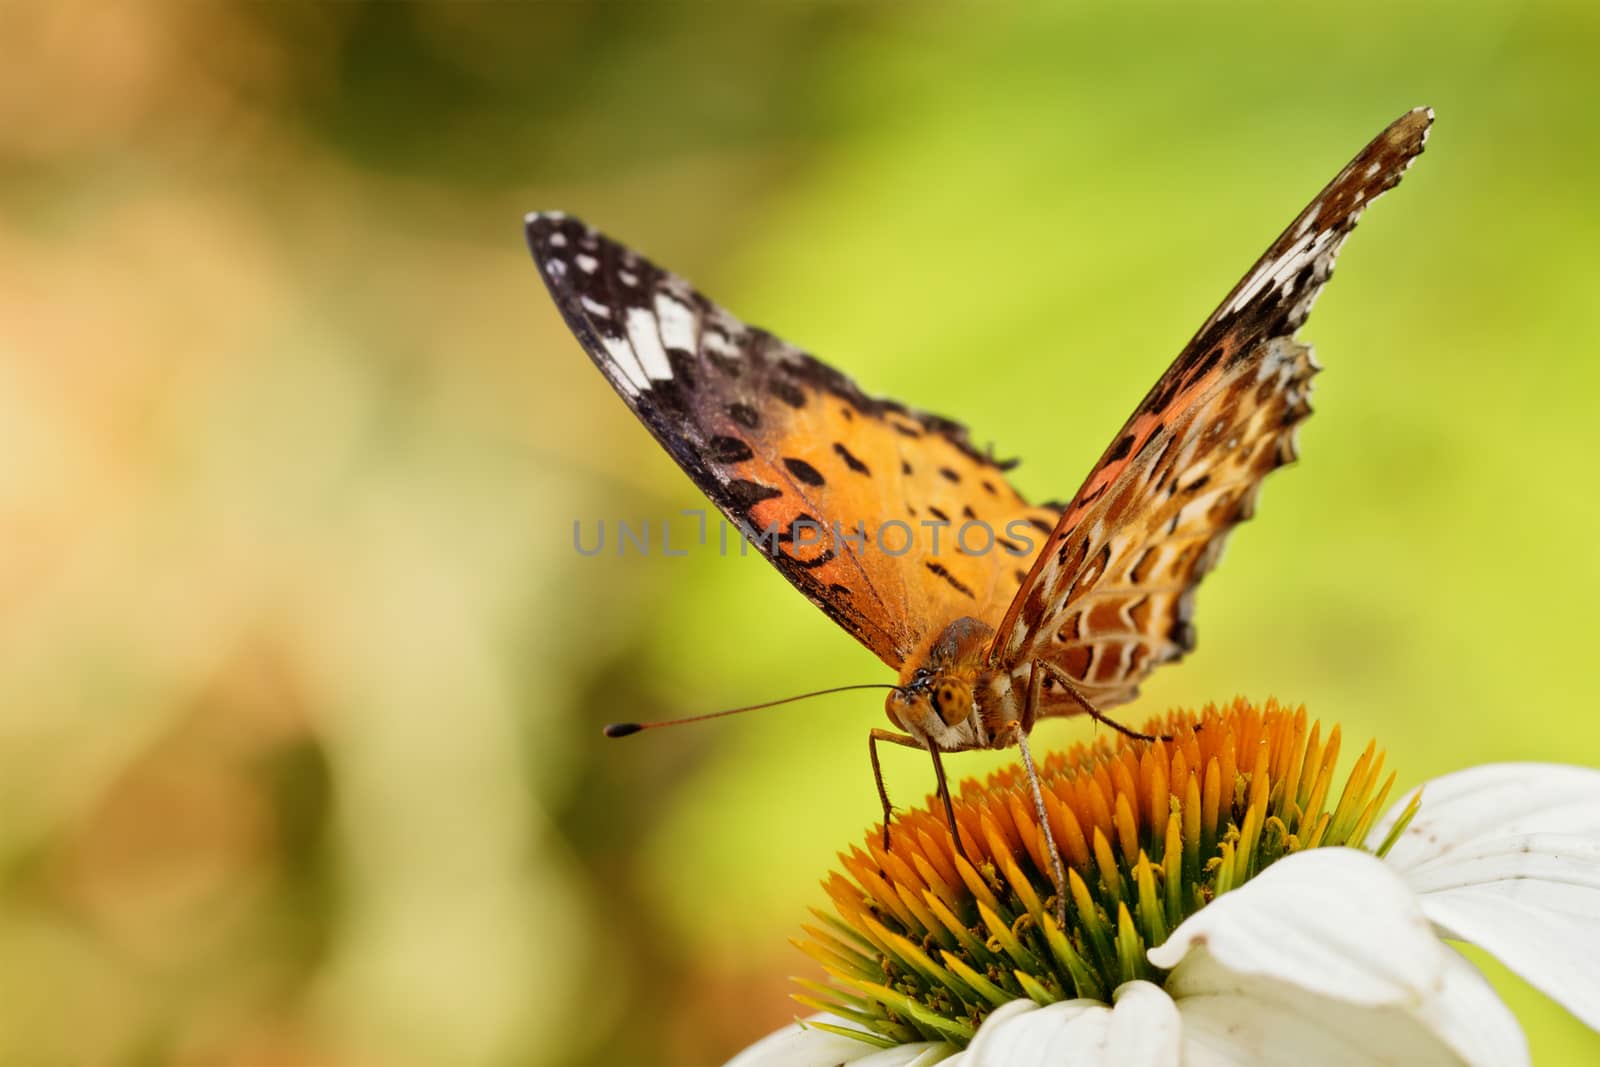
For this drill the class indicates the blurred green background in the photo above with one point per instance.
(301, 679)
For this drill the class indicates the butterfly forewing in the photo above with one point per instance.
(1110, 596)
(859, 501)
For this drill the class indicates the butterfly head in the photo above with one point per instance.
(936, 701)
(947, 696)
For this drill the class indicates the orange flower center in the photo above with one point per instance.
(930, 938)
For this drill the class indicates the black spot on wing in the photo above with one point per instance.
(746, 494)
(825, 556)
(727, 365)
(1182, 634)
(938, 570)
(683, 367)
(803, 471)
(728, 450)
(787, 392)
(1206, 362)
(850, 460)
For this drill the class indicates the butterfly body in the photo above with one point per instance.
(1020, 611)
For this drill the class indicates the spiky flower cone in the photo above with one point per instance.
(929, 938)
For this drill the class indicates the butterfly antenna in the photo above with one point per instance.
(623, 729)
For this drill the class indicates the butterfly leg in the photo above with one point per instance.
(1065, 681)
(1058, 872)
(877, 771)
(938, 772)
(949, 808)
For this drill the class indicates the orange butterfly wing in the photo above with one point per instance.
(1111, 595)
(859, 501)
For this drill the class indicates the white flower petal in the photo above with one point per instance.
(1470, 1016)
(1556, 871)
(799, 1046)
(1140, 1031)
(1507, 856)
(1329, 934)
(1333, 921)
(1145, 1028)
(1021, 1033)
(921, 1054)
(1532, 901)
(1492, 801)
(1232, 1019)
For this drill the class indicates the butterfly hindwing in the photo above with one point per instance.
(1110, 596)
(859, 501)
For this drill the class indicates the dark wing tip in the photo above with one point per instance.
(540, 226)
(1408, 134)
(543, 221)
(537, 224)
(1378, 167)
(1276, 295)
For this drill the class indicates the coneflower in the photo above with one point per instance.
(1229, 898)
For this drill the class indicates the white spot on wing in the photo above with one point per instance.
(622, 357)
(585, 262)
(1258, 281)
(719, 344)
(1278, 274)
(558, 240)
(1312, 214)
(594, 307)
(676, 322)
(647, 343)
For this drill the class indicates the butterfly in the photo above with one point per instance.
(995, 612)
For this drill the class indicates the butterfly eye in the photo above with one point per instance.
(947, 701)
